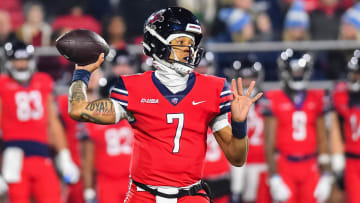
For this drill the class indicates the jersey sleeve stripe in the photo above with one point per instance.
(119, 98)
(225, 99)
(119, 91)
(222, 105)
(225, 93)
(120, 86)
(123, 103)
(225, 109)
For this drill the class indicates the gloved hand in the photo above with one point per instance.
(67, 167)
(323, 188)
(3, 186)
(338, 164)
(89, 195)
(278, 189)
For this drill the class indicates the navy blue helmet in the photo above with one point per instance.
(249, 68)
(18, 50)
(162, 26)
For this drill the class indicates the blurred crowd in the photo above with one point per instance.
(120, 22)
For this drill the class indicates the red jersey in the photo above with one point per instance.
(113, 148)
(25, 106)
(170, 129)
(216, 163)
(255, 129)
(296, 124)
(349, 110)
(72, 128)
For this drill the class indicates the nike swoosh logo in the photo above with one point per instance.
(196, 103)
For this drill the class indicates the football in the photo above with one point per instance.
(81, 46)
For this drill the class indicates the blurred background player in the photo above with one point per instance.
(295, 127)
(216, 168)
(107, 155)
(249, 69)
(347, 104)
(27, 113)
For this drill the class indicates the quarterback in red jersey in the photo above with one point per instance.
(170, 110)
(27, 112)
(295, 127)
(347, 104)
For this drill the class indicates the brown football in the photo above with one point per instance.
(81, 46)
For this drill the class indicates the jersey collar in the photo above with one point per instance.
(174, 99)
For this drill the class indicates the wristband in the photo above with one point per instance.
(82, 75)
(239, 129)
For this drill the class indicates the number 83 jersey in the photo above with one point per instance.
(24, 109)
(170, 129)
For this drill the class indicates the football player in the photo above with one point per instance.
(347, 104)
(170, 110)
(251, 70)
(27, 112)
(107, 155)
(295, 128)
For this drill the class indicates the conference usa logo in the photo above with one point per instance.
(149, 101)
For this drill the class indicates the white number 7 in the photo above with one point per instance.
(170, 119)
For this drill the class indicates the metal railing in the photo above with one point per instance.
(247, 47)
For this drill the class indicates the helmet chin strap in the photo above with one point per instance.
(179, 68)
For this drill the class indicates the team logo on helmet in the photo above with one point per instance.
(157, 17)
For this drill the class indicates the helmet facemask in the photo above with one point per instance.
(193, 56)
(166, 25)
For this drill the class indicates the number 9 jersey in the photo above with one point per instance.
(296, 123)
(25, 106)
(170, 129)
